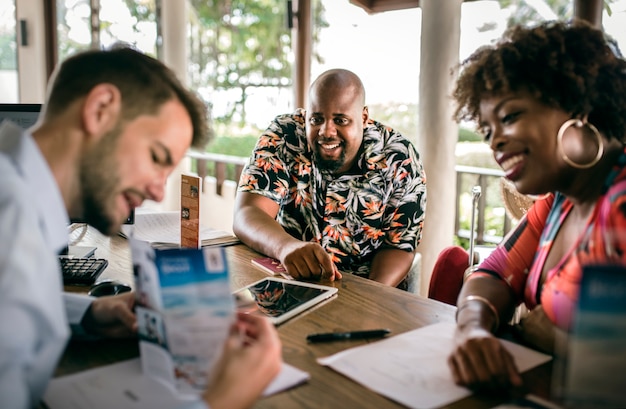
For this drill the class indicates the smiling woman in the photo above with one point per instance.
(551, 100)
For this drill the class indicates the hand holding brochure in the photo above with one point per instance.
(184, 312)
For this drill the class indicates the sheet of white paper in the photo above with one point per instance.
(164, 227)
(411, 368)
(122, 385)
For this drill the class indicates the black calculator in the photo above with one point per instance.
(81, 270)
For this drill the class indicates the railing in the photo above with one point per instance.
(221, 163)
(228, 168)
(489, 182)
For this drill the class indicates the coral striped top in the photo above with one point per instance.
(520, 258)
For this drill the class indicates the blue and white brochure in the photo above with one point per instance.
(596, 356)
(185, 311)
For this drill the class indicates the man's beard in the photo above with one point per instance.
(328, 165)
(99, 180)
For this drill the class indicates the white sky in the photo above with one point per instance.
(384, 49)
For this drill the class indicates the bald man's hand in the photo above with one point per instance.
(309, 261)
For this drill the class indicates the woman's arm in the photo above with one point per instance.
(479, 360)
(488, 299)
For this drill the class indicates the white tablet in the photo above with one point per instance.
(280, 299)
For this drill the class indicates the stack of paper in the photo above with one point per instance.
(123, 385)
(162, 229)
(412, 369)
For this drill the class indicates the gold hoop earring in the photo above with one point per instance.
(579, 124)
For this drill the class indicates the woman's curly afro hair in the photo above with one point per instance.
(571, 66)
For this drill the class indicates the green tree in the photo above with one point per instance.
(72, 17)
(529, 12)
(74, 23)
(533, 11)
(8, 54)
(242, 45)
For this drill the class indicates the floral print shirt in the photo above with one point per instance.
(350, 215)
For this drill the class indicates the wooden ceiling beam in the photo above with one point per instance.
(590, 10)
(379, 6)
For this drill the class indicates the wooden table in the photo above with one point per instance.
(360, 304)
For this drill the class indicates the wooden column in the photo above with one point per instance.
(175, 49)
(437, 131)
(589, 10)
(302, 39)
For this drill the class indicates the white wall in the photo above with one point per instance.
(31, 58)
(8, 86)
(216, 211)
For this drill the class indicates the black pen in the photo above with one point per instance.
(338, 336)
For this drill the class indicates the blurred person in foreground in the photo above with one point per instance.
(551, 102)
(329, 190)
(114, 126)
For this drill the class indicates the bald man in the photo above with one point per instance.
(329, 191)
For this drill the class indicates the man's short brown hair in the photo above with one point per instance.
(145, 85)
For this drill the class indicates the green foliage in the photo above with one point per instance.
(527, 12)
(242, 45)
(72, 19)
(68, 17)
(478, 154)
(404, 117)
(466, 135)
(8, 53)
(399, 116)
(234, 146)
(142, 10)
(226, 144)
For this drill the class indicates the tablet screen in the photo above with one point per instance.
(281, 299)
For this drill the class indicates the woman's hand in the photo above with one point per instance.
(480, 361)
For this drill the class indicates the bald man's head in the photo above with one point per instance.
(336, 118)
(339, 78)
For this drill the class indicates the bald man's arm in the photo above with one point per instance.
(256, 226)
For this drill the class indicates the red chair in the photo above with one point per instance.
(449, 269)
(447, 277)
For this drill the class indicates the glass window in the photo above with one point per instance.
(383, 49)
(241, 61)
(73, 27)
(614, 23)
(8, 52)
(130, 21)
